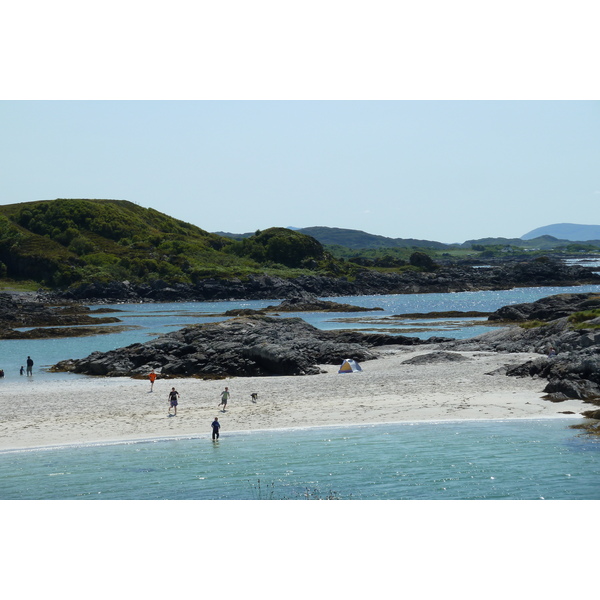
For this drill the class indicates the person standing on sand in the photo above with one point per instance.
(152, 378)
(29, 366)
(224, 398)
(173, 395)
(215, 428)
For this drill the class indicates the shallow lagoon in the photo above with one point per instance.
(468, 460)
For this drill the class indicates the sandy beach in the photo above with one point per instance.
(44, 413)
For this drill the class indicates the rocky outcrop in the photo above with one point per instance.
(25, 311)
(368, 282)
(239, 347)
(302, 302)
(435, 358)
(572, 375)
(547, 309)
(573, 368)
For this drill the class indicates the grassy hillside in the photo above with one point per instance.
(66, 241)
(57, 243)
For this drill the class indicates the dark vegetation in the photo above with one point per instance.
(63, 242)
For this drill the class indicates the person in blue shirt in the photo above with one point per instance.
(215, 428)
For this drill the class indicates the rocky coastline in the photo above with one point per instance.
(247, 346)
(538, 272)
(18, 311)
(301, 302)
(564, 329)
(256, 345)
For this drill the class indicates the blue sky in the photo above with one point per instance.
(438, 170)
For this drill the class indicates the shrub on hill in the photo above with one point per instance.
(282, 246)
(423, 261)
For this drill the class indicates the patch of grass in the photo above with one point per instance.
(580, 320)
(10, 285)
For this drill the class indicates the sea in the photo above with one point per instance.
(537, 459)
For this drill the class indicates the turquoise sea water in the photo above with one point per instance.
(481, 460)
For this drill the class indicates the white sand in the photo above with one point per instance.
(36, 413)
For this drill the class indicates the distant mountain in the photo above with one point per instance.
(355, 239)
(351, 238)
(566, 231)
(543, 242)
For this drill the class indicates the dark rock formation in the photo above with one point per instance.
(21, 310)
(574, 372)
(301, 302)
(572, 375)
(368, 282)
(547, 309)
(243, 346)
(436, 357)
(307, 302)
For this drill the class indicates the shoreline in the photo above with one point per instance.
(46, 414)
(200, 436)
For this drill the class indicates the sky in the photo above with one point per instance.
(438, 170)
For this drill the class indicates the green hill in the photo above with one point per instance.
(66, 241)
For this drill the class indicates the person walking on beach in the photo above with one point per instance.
(215, 429)
(29, 366)
(224, 398)
(173, 395)
(22, 370)
(152, 378)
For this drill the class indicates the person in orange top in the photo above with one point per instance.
(152, 378)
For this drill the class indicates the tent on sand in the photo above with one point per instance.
(350, 366)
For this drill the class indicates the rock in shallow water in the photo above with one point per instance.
(243, 346)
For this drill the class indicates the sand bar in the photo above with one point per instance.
(46, 413)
